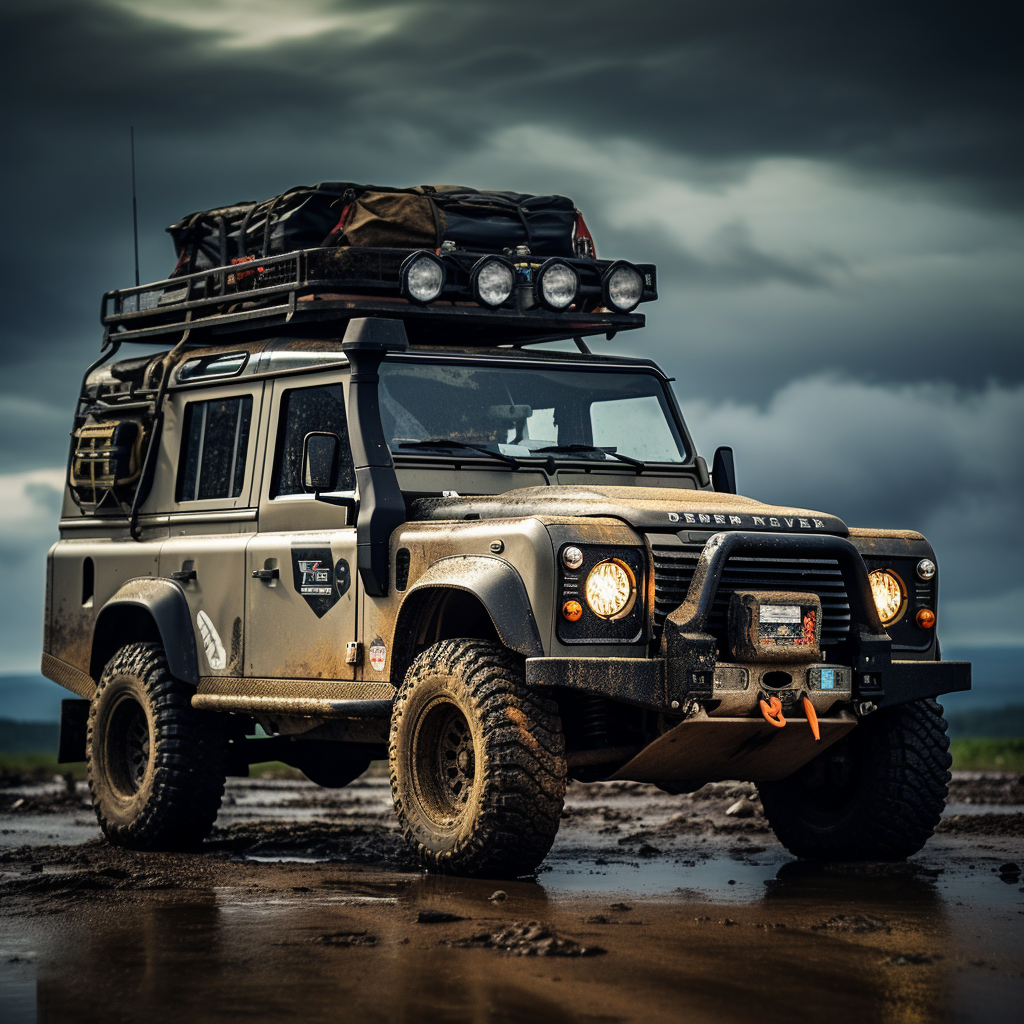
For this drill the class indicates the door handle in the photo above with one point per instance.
(183, 575)
(265, 574)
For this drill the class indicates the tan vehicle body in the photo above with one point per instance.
(288, 668)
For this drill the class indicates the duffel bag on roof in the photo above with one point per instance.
(342, 213)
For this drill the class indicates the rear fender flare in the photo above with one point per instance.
(148, 608)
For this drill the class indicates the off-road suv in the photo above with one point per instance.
(352, 498)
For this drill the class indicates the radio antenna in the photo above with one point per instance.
(135, 210)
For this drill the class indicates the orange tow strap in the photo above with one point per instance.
(772, 711)
(812, 719)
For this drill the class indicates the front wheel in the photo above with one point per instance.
(156, 765)
(877, 794)
(477, 761)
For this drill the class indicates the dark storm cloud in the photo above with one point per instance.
(917, 103)
(927, 92)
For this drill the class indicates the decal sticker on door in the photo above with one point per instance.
(317, 578)
(213, 646)
(378, 654)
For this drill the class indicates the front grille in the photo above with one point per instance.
(673, 570)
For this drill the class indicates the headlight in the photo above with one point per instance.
(422, 277)
(623, 287)
(610, 589)
(889, 594)
(492, 281)
(557, 284)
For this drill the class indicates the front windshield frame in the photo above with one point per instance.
(417, 451)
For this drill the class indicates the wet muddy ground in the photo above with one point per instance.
(304, 904)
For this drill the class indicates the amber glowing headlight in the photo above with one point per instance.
(611, 589)
(889, 593)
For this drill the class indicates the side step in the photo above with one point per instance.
(301, 707)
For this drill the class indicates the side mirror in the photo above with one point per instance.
(723, 471)
(320, 461)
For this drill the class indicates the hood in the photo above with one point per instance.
(645, 508)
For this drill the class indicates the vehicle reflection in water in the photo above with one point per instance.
(348, 947)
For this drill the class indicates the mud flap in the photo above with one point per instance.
(74, 719)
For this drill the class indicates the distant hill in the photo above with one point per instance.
(989, 723)
(997, 675)
(31, 698)
(28, 737)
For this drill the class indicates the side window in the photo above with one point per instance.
(304, 410)
(216, 439)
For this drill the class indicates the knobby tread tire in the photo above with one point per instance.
(178, 798)
(515, 804)
(900, 759)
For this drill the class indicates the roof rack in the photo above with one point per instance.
(322, 286)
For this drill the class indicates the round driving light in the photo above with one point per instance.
(422, 277)
(557, 284)
(889, 594)
(572, 610)
(925, 618)
(572, 558)
(610, 589)
(492, 281)
(926, 569)
(623, 287)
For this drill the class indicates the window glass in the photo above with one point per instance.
(304, 410)
(528, 411)
(635, 426)
(216, 442)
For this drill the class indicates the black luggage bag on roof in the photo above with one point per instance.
(343, 213)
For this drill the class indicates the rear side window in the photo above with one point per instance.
(216, 440)
(304, 410)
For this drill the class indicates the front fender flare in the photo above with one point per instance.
(163, 602)
(497, 585)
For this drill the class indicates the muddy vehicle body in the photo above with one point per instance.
(378, 525)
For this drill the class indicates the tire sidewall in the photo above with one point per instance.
(117, 809)
(426, 691)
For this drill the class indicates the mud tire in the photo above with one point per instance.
(477, 762)
(877, 794)
(156, 765)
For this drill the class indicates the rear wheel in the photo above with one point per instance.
(156, 765)
(877, 794)
(477, 761)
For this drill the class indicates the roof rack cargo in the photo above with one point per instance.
(325, 285)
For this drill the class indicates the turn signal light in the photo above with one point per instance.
(925, 618)
(572, 610)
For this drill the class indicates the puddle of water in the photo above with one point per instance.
(724, 879)
(982, 809)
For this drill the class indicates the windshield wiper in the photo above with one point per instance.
(570, 448)
(445, 442)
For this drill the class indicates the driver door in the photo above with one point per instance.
(302, 585)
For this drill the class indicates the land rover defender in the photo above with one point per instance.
(358, 498)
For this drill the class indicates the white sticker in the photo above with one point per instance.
(212, 644)
(780, 613)
(378, 656)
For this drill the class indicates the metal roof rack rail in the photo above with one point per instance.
(324, 286)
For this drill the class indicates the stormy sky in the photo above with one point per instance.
(833, 194)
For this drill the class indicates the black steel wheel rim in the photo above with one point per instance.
(444, 762)
(127, 746)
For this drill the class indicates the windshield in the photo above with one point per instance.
(521, 411)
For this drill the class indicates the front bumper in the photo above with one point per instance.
(687, 669)
(645, 682)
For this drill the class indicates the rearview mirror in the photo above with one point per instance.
(320, 461)
(723, 471)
